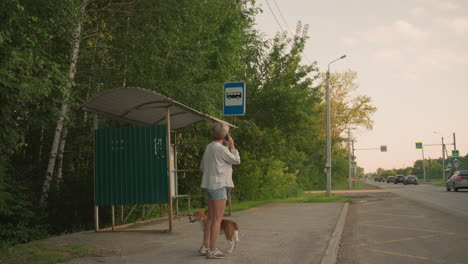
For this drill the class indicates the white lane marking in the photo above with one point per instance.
(428, 236)
(447, 207)
(397, 240)
(412, 216)
(381, 220)
(399, 254)
(371, 203)
(415, 229)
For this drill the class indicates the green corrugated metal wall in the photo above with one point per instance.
(131, 166)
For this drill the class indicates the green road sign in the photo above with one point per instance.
(383, 148)
(353, 164)
(419, 145)
(455, 153)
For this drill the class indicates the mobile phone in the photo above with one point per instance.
(226, 137)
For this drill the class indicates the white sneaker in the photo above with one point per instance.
(203, 250)
(217, 254)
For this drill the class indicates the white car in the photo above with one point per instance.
(459, 180)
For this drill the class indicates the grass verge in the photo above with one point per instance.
(303, 198)
(43, 253)
(357, 185)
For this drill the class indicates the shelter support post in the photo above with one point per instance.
(171, 180)
(96, 207)
(113, 217)
(96, 218)
(121, 214)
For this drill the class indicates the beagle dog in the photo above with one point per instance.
(228, 227)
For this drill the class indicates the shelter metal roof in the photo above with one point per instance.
(144, 107)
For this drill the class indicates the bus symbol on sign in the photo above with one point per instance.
(234, 99)
(233, 95)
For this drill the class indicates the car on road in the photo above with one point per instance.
(459, 180)
(399, 179)
(390, 179)
(411, 179)
(379, 179)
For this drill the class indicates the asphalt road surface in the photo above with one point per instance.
(431, 195)
(407, 224)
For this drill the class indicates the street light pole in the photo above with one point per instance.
(350, 183)
(328, 163)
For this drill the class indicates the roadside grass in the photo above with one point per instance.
(441, 184)
(303, 198)
(43, 253)
(357, 185)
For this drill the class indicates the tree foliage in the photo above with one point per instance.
(183, 49)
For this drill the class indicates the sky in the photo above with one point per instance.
(411, 57)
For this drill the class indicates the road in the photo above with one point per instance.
(431, 195)
(406, 224)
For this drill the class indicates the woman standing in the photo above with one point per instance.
(217, 178)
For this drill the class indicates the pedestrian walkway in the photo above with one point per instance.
(270, 234)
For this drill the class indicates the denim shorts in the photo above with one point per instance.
(216, 194)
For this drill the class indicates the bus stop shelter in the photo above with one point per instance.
(138, 164)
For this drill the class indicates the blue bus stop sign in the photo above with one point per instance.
(234, 99)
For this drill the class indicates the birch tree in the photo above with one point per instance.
(74, 55)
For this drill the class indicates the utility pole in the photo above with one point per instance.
(424, 166)
(443, 160)
(454, 142)
(350, 183)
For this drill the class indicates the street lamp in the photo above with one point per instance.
(328, 163)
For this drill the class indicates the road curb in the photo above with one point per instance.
(331, 253)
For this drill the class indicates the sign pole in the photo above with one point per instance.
(424, 166)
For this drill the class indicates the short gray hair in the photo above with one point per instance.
(219, 130)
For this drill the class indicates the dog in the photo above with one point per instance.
(228, 227)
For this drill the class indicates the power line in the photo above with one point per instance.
(284, 20)
(273, 13)
(282, 17)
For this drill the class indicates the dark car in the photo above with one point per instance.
(379, 179)
(390, 179)
(411, 179)
(399, 179)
